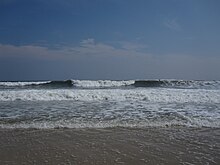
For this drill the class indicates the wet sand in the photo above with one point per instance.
(110, 146)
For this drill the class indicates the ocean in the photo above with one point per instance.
(110, 122)
(106, 103)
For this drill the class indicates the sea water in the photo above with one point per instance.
(106, 103)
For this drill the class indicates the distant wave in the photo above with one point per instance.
(177, 83)
(37, 84)
(148, 83)
(68, 83)
(21, 83)
(102, 83)
(89, 84)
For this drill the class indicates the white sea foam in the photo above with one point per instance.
(76, 83)
(101, 83)
(16, 84)
(197, 123)
(147, 95)
(101, 108)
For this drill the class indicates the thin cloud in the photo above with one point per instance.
(91, 47)
(133, 46)
(172, 24)
(131, 61)
(29, 51)
(86, 47)
(88, 41)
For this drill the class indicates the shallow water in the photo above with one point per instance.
(117, 145)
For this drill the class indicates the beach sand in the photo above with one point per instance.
(110, 146)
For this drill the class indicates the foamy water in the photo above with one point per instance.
(105, 103)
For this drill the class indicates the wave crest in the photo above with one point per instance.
(89, 84)
(178, 84)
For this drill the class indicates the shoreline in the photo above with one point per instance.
(110, 146)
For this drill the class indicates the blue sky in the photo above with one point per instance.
(109, 39)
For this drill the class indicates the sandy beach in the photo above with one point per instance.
(110, 146)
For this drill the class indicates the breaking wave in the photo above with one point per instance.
(67, 84)
(89, 84)
(195, 84)
(37, 84)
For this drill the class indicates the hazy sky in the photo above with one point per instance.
(109, 39)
